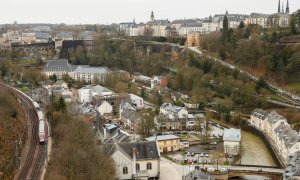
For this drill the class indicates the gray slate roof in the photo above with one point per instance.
(184, 21)
(64, 35)
(259, 113)
(171, 107)
(164, 22)
(130, 114)
(192, 25)
(293, 168)
(273, 117)
(92, 70)
(59, 65)
(86, 35)
(162, 137)
(41, 35)
(287, 135)
(232, 135)
(144, 150)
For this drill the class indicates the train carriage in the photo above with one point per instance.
(42, 136)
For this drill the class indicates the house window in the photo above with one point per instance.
(149, 166)
(125, 170)
(137, 166)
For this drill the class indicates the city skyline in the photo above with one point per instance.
(116, 11)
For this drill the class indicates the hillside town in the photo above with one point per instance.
(198, 98)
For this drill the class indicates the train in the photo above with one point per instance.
(42, 125)
(42, 135)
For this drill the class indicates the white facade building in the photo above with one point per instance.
(86, 93)
(168, 108)
(78, 73)
(136, 101)
(281, 135)
(136, 160)
(105, 108)
(232, 140)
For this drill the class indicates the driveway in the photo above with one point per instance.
(172, 171)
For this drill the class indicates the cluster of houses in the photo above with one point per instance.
(173, 117)
(109, 103)
(41, 34)
(150, 82)
(133, 160)
(77, 72)
(283, 138)
(183, 27)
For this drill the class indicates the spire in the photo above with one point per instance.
(287, 10)
(279, 6)
(226, 13)
(282, 8)
(152, 16)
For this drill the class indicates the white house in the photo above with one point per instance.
(84, 95)
(258, 119)
(136, 101)
(232, 140)
(273, 121)
(105, 108)
(168, 108)
(136, 160)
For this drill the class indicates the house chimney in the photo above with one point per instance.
(134, 161)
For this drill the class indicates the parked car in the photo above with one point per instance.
(202, 155)
(210, 169)
(223, 169)
(206, 155)
(188, 154)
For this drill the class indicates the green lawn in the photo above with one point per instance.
(184, 136)
(27, 61)
(294, 88)
(278, 98)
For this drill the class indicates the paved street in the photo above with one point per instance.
(173, 171)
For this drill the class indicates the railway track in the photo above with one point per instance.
(36, 153)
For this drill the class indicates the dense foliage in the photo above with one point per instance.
(76, 155)
(12, 128)
(265, 51)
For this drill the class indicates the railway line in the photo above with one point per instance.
(35, 153)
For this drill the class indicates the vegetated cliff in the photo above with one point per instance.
(12, 127)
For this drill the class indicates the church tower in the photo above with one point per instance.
(152, 16)
(287, 10)
(278, 7)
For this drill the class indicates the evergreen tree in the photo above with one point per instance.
(293, 27)
(241, 25)
(225, 24)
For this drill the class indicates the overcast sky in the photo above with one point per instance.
(115, 11)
